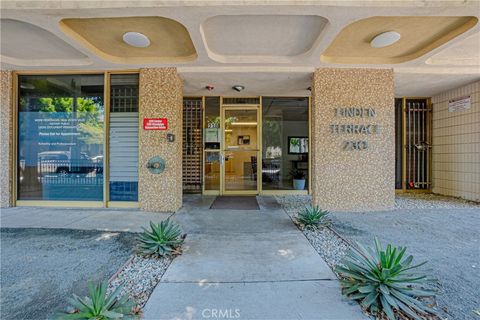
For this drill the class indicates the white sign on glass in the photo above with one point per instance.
(212, 135)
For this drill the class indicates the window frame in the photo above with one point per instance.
(105, 203)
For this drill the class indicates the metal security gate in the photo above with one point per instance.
(192, 144)
(417, 143)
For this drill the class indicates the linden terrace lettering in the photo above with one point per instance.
(355, 112)
(354, 128)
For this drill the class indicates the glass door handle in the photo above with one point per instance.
(222, 159)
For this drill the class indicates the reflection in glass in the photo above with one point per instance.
(60, 137)
(284, 141)
(240, 170)
(212, 170)
(241, 129)
(212, 123)
(241, 149)
(211, 138)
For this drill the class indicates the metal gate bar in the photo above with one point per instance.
(192, 144)
(418, 148)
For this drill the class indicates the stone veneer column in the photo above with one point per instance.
(160, 97)
(6, 139)
(353, 180)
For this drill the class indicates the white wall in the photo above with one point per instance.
(456, 145)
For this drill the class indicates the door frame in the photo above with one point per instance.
(260, 189)
(223, 150)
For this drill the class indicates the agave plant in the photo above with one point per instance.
(99, 305)
(162, 239)
(384, 280)
(313, 216)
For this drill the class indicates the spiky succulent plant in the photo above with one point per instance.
(313, 216)
(162, 239)
(99, 305)
(384, 280)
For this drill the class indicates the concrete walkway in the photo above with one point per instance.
(130, 220)
(252, 264)
(246, 265)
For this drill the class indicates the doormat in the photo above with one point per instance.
(235, 203)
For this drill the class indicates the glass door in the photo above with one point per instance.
(240, 154)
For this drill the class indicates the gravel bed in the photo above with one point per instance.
(431, 201)
(438, 229)
(329, 245)
(140, 276)
(333, 248)
(42, 268)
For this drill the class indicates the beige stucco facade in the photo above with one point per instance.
(342, 178)
(456, 145)
(6, 138)
(160, 97)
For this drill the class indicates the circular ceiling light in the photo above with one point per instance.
(385, 39)
(136, 39)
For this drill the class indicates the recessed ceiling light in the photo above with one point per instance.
(136, 39)
(385, 39)
(238, 88)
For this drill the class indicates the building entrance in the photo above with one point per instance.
(240, 153)
(250, 145)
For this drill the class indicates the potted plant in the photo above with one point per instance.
(298, 179)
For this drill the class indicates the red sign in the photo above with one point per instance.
(155, 124)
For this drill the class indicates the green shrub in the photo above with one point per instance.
(384, 280)
(162, 239)
(99, 305)
(313, 216)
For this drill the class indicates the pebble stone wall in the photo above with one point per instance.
(160, 97)
(353, 180)
(5, 138)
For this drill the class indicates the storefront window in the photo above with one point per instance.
(285, 143)
(60, 137)
(123, 137)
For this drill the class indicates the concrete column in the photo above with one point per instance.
(160, 97)
(6, 138)
(353, 139)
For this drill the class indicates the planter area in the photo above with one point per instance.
(434, 228)
(326, 242)
(139, 276)
(127, 291)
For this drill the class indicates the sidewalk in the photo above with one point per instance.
(237, 264)
(130, 220)
(247, 265)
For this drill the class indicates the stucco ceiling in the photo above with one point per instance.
(419, 35)
(273, 54)
(24, 44)
(465, 52)
(256, 38)
(256, 83)
(169, 40)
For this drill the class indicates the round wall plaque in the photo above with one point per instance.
(156, 165)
